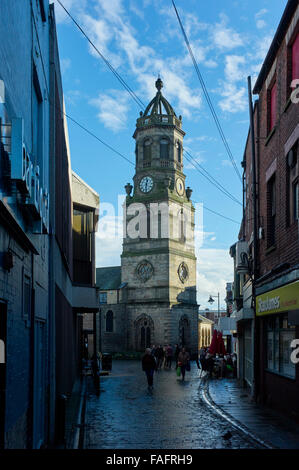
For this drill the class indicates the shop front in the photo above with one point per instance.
(277, 313)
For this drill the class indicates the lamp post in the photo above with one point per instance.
(211, 301)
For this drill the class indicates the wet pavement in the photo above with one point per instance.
(174, 416)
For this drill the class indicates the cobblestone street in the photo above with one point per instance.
(173, 416)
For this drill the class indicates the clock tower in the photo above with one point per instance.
(158, 259)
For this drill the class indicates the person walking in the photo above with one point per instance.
(149, 366)
(159, 355)
(169, 354)
(183, 361)
(176, 355)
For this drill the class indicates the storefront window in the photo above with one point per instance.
(279, 338)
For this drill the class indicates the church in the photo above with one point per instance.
(151, 297)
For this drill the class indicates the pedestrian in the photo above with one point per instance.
(149, 366)
(183, 361)
(169, 354)
(176, 354)
(159, 355)
(153, 350)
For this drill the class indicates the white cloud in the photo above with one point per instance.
(232, 69)
(65, 64)
(234, 98)
(60, 15)
(260, 23)
(112, 109)
(225, 38)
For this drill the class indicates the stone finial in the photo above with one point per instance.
(189, 192)
(159, 84)
(128, 189)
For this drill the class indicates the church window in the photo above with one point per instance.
(179, 152)
(147, 150)
(164, 149)
(109, 322)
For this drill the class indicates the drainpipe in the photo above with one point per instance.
(255, 244)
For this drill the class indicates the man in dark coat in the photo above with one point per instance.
(149, 366)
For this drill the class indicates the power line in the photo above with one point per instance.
(210, 104)
(201, 169)
(98, 138)
(196, 165)
(220, 215)
(115, 73)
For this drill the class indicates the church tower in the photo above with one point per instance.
(158, 259)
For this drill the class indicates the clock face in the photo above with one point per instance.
(146, 184)
(180, 186)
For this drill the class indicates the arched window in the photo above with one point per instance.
(142, 337)
(147, 150)
(179, 151)
(109, 322)
(164, 149)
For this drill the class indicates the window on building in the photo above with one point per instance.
(179, 152)
(82, 244)
(272, 106)
(164, 149)
(103, 297)
(136, 153)
(292, 186)
(147, 151)
(271, 212)
(295, 58)
(109, 322)
(279, 338)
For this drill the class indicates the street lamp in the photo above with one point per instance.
(211, 301)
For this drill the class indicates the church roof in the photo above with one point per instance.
(108, 278)
(159, 105)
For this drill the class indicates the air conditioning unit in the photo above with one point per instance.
(242, 257)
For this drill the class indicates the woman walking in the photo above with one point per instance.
(183, 362)
(149, 366)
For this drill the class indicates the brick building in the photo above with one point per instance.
(267, 301)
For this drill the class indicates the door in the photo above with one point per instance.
(39, 386)
(3, 338)
(248, 354)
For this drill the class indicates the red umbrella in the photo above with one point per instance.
(220, 344)
(214, 344)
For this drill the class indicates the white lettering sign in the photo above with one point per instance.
(268, 304)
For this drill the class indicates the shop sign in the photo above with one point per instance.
(278, 300)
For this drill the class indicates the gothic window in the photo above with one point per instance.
(109, 322)
(164, 149)
(179, 151)
(147, 151)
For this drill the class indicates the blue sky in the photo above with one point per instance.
(142, 39)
